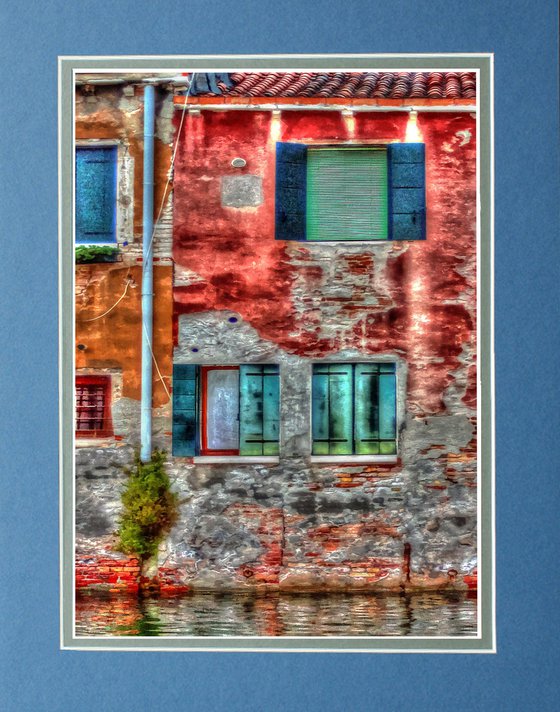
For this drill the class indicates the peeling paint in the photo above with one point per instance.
(302, 524)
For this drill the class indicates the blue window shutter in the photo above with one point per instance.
(387, 409)
(407, 191)
(366, 420)
(258, 409)
(96, 194)
(185, 410)
(291, 181)
(332, 409)
(320, 407)
(342, 405)
(271, 409)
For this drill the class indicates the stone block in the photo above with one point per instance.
(242, 191)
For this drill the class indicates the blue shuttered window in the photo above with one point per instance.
(354, 409)
(256, 416)
(350, 192)
(96, 194)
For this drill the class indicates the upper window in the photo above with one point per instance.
(226, 410)
(93, 410)
(96, 194)
(333, 193)
(354, 409)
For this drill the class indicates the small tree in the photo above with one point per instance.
(149, 511)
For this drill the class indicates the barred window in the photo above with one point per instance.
(93, 412)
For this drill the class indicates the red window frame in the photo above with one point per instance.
(107, 429)
(204, 449)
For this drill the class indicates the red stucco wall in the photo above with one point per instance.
(424, 292)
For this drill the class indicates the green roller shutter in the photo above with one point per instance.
(347, 194)
(185, 409)
(259, 404)
(96, 194)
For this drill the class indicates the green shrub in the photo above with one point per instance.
(149, 508)
(96, 253)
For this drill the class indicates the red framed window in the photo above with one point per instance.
(93, 407)
(219, 410)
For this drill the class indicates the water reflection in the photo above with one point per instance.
(449, 614)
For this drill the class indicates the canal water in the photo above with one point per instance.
(434, 614)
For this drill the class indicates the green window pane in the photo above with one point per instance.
(347, 194)
(387, 447)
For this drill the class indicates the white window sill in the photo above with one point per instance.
(373, 241)
(236, 459)
(94, 442)
(350, 459)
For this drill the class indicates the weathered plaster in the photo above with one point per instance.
(113, 341)
(299, 523)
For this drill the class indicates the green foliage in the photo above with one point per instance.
(149, 508)
(95, 253)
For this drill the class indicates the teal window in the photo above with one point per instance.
(354, 409)
(96, 194)
(226, 410)
(334, 193)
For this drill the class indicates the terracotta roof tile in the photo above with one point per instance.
(350, 85)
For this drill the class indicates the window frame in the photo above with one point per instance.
(95, 380)
(197, 440)
(205, 451)
(399, 395)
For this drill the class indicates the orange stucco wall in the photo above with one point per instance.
(114, 340)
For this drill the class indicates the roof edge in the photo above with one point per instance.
(303, 102)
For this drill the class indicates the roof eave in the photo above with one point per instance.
(280, 102)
